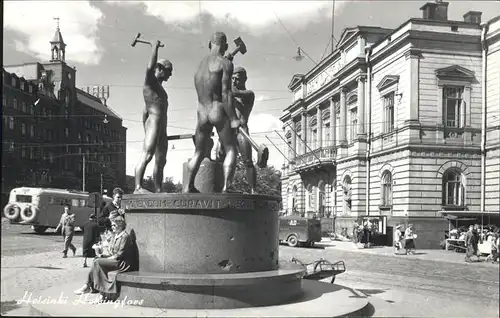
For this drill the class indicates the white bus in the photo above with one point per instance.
(42, 207)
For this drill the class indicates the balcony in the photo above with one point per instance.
(319, 158)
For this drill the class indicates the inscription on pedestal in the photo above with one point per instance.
(236, 204)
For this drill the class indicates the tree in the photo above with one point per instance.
(268, 180)
(170, 187)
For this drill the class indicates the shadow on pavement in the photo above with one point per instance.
(6, 306)
(41, 267)
(370, 292)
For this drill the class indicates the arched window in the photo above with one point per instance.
(352, 103)
(326, 138)
(313, 137)
(289, 147)
(295, 205)
(386, 189)
(347, 194)
(453, 188)
(299, 149)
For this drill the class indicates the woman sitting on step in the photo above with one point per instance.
(123, 258)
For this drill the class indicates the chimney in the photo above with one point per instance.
(473, 17)
(435, 10)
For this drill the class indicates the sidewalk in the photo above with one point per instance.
(431, 255)
(33, 273)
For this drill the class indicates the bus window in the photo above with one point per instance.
(75, 202)
(83, 203)
(52, 200)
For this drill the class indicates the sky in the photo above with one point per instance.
(99, 34)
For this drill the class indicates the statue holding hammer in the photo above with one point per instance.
(243, 102)
(154, 118)
(215, 109)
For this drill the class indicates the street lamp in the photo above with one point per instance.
(299, 57)
(105, 119)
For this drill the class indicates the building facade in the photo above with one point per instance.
(388, 127)
(51, 127)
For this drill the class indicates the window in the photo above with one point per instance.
(24, 108)
(14, 81)
(452, 102)
(353, 125)
(14, 104)
(32, 153)
(389, 112)
(79, 136)
(313, 137)
(337, 125)
(23, 152)
(347, 195)
(66, 132)
(30, 88)
(23, 128)
(11, 123)
(51, 157)
(453, 188)
(22, 85)
(386, 190)
(4, 100)
(299, 140)
(32, 131)
(327, 137)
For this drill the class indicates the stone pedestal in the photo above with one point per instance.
(207, 251)
(210, 176)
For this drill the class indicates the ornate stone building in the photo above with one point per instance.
(388, 127)
(50, 126)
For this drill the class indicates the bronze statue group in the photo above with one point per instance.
(224, 102)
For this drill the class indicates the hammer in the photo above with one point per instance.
(240, 47)
(262, 151)
(142, 41)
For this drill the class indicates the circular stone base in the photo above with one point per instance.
(318, 300)
(213, 291)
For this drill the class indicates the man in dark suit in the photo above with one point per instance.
(110, 210)
(91, 235)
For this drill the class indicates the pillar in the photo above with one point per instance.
(343, 117)
(333, 123)
(413, 57)
(361, 106)
(319, 118)
(304, 132)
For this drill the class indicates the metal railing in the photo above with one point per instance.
(323, 153)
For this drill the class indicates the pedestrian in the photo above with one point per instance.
(110, 210)
(410, 240)
(67, 227)
(477, 238)
(494, 248)
(469, 244)
(123, 258)
(398, 237)
(91, 236)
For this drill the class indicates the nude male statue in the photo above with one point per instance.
(243, 100)
(154, 119)
(215, 104)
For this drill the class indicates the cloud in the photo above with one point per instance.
(262, 122)
(255, 15)
(34, 20)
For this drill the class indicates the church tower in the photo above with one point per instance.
(57, 46)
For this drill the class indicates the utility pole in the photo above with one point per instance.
(83, 169)
(333, 25)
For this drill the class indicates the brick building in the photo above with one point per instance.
(51, 126)
(389, 127)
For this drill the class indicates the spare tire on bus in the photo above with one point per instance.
(12, 211)
(29, 214)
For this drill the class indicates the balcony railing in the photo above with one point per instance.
(325, 155)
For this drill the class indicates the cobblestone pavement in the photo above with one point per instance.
(397, 286)
(454, 279)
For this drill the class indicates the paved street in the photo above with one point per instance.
(396, 286)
